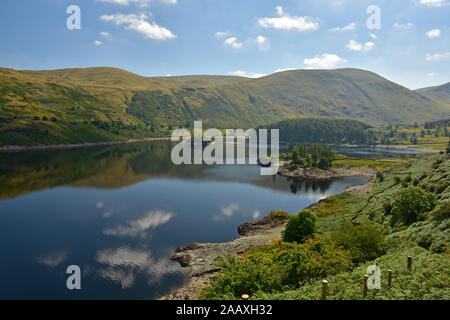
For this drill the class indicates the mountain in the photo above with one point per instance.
(98, 104)
(438, 93)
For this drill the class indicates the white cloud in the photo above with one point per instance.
(139, 3)
(122, 266)
(229, 210)
(437, 56)
(373, 36)
(324, 61)
(435, 33)
(431, 75)
(222, 34)
(105, 34)
(140, 24)
(53, 259)
(140, 227)
(356, 46)
(285, 69)
(350, 27)
(432, 3)
(98, 44)
(233, 42)
(263, 43)
(403, 26)
(241, 73)
(286, 22)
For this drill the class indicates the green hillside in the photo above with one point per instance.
(310, 130)
(405, 215)
(438, 93)
(98, 104)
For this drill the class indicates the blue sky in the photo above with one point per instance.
(242, 37)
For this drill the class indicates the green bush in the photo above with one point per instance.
(380, 176)
(300, 227)
(387, 207)
(363, 242)
(277, 267)
(410, 204)
(442, 213)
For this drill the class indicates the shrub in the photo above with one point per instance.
(387, 206)
(380, 176)
(363, 242)
(300, 227)
(276, 267)
(447, 151)
(410, 203)
(397, 180)
(442, 213)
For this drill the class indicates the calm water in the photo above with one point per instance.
(118, 212)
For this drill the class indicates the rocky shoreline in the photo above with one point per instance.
(319, 174)
(199, 258)
(48, 147)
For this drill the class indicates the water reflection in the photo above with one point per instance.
(118, 212)
(122, 266)
(140, 227)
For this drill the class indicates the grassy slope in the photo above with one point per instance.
(110, 104)
(438, 93)
(426, 241)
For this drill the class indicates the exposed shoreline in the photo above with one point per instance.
(395, 146)
(48, 147)
(199, 258)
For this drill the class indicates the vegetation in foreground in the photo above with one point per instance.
(352, 232)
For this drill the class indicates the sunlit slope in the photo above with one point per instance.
(438, 93)
(95, 104)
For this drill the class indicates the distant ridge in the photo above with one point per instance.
(438, 93)
(103, 104)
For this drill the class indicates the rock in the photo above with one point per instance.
(207, 271)
(274, 219)
(191, 246)
(184, 259)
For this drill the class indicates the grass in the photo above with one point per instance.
(427, 240)
(342, 161)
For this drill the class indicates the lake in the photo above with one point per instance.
(119, 211)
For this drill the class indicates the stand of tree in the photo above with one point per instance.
(312, 130)
(310, 156)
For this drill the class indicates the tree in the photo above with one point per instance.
(447, 151)
(380, 176)
(363, 242)
(300, 227)
(410, 204)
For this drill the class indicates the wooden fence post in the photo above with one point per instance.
(409, 263)
(366, 278)
(389, 278)
(324, 289)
